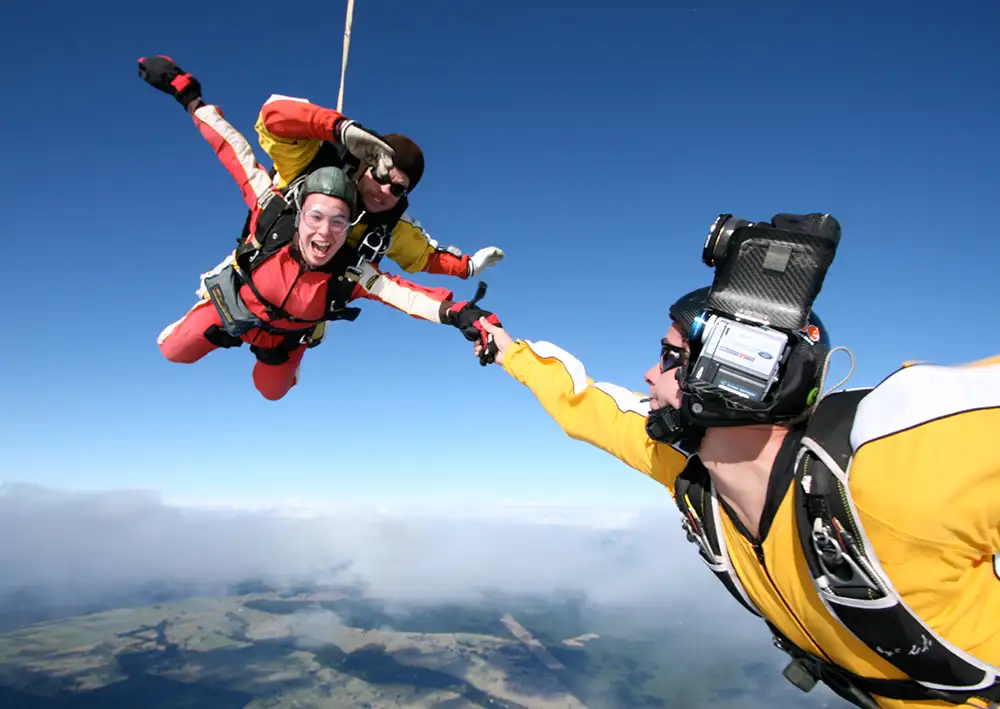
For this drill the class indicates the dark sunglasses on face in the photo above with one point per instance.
(671, 356)
(395, 188)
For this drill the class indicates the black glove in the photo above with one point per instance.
(465, 316)
(162, 74)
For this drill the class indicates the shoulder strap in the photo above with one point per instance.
(340, 288)
(271, 234)
(700, 517)
(848, 576)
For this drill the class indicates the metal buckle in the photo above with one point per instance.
(829, 553)
(694, 535)
(824, 543)
(369, 250)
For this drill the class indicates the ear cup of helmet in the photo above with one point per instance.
(796, 390)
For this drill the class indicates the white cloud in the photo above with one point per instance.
(74, 548)
(76, 543)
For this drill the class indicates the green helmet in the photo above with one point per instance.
(330, 181)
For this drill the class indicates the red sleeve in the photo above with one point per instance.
(448, 264)
(236, 155)
(297, 119)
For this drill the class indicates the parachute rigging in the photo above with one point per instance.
(347, 47)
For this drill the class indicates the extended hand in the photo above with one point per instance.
(500, 339)
(468, 318)
(162, 74)
(483, 259)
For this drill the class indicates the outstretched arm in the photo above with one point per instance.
(414, 250)
(414, 300)
(236, 155)
(604, 415)
(232, 149)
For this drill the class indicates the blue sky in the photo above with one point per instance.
(595, 146)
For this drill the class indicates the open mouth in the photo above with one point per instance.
(320, 248)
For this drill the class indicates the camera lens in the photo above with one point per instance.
(718, 238)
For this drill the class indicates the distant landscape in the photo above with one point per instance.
(115, 600)
(331, 647)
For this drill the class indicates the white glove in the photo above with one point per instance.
(483, 259)
(367, 147)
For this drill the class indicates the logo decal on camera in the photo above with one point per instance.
(811, 332)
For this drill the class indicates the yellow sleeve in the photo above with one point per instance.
(926, 466)
(604, 415)
(290, 156)
(410, 247)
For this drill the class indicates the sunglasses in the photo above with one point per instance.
(395, 188)
(671, 356)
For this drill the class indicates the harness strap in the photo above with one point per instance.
(848, 576)
(844, 682)
(336, 310)
(701, 521)
(275, 312)
(851, 586)
(273, 237)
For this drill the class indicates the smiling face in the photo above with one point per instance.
(378, 197)
(664, 390)
(323, 226)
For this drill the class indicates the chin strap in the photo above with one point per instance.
(666, 425)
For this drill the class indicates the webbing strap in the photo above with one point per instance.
(849, 578)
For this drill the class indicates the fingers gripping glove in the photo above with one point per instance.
(162, 74)
(365, 146)
(483, 259)
(465, 316)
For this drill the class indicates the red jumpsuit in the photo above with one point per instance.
(282, 279)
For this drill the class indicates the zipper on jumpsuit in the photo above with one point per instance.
(759, 551)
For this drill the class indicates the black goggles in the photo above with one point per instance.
(395, 188)
(671, 356)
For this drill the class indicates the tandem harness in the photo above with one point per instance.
(276, 223)
(848, 577)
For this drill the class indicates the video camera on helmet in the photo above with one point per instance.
(767, 276)
(770, 272)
